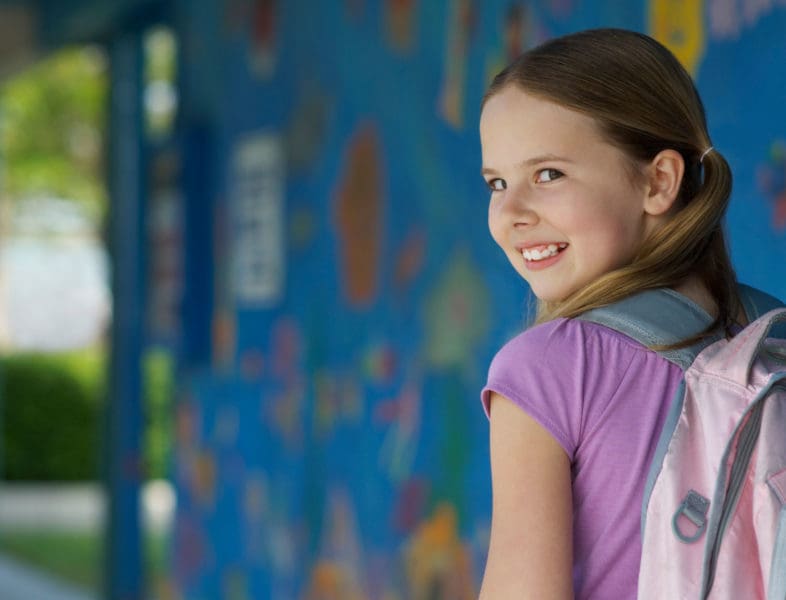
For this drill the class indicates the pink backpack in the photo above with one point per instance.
(714, 510)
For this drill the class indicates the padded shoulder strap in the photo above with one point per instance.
(756, 302)
(663, 317)
(657, 317)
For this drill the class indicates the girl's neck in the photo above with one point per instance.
(694, 289)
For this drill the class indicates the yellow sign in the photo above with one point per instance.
(679, 25)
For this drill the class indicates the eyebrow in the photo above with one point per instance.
(535, 160)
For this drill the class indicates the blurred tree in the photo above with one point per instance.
(160, 74)
(52, 124)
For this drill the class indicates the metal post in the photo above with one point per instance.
(124, 574)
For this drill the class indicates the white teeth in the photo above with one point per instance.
(547, 252)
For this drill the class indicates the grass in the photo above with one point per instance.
(76, 557)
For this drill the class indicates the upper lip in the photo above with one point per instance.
(529, 245)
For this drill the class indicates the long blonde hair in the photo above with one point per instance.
(643, 102)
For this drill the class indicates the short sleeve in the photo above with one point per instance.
(563, 373)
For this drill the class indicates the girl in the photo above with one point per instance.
(603, 183)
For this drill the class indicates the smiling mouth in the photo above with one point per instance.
(542, 252)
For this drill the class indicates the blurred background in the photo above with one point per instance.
(247, 293)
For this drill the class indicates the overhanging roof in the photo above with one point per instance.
(30, 29)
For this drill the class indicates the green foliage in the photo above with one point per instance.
(52, 120)
(51, 412)
(51, 407)
(158, 388)
(160, 73)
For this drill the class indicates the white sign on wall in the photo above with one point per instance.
(257, 222)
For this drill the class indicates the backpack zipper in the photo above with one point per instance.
(747, 443)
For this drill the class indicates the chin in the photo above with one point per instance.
(548, 289)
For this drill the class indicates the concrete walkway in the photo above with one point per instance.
(69, 507)
(76, 507)
(20, 582)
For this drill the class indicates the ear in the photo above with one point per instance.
(664, 177)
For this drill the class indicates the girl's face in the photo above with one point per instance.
(565, 206)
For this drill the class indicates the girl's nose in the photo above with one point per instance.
(517, 207)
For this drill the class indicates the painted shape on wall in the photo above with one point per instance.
(252, 364)
(728, 18)
(679, 26)
(338, 573)
(456, 314)
(410, 507)
(302, 229)
(191, 551)
(358, 216)
(400, 445)
(308, 124)
(461, 22)
(337, 400)
(520, 30)
(286, 349)
(269, 537)
(226, 426)
(380, 363)
(283, 402)
(438, 563)
(257, 220)
(771, 180)
(224, 338)
(561, 8)
(410, 258)
(223, 320)
(256, 511)
(263, 28)
(283, 414)
(234, 583)
(400, 23)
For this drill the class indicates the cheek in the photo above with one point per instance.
(495, 226)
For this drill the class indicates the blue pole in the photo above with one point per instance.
(124, 571)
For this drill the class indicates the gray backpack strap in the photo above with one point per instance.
(756, 303)
(663, 317)
(657, 317)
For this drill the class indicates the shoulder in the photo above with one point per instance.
(563, 358)
(567, 373)
(561, 344)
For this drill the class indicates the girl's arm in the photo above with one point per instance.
(530, 550)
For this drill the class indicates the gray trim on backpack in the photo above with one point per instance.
(662, 317)
(756, 302)
(672, 418)
(777, 584)
(657, 317)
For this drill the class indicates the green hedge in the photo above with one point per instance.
(51, 415)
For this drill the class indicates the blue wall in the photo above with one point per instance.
(343, 296)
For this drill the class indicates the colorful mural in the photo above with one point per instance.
(334, 446)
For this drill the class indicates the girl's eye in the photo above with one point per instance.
(497, 185)
(546, 175)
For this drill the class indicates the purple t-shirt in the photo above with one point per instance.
(604, 398)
